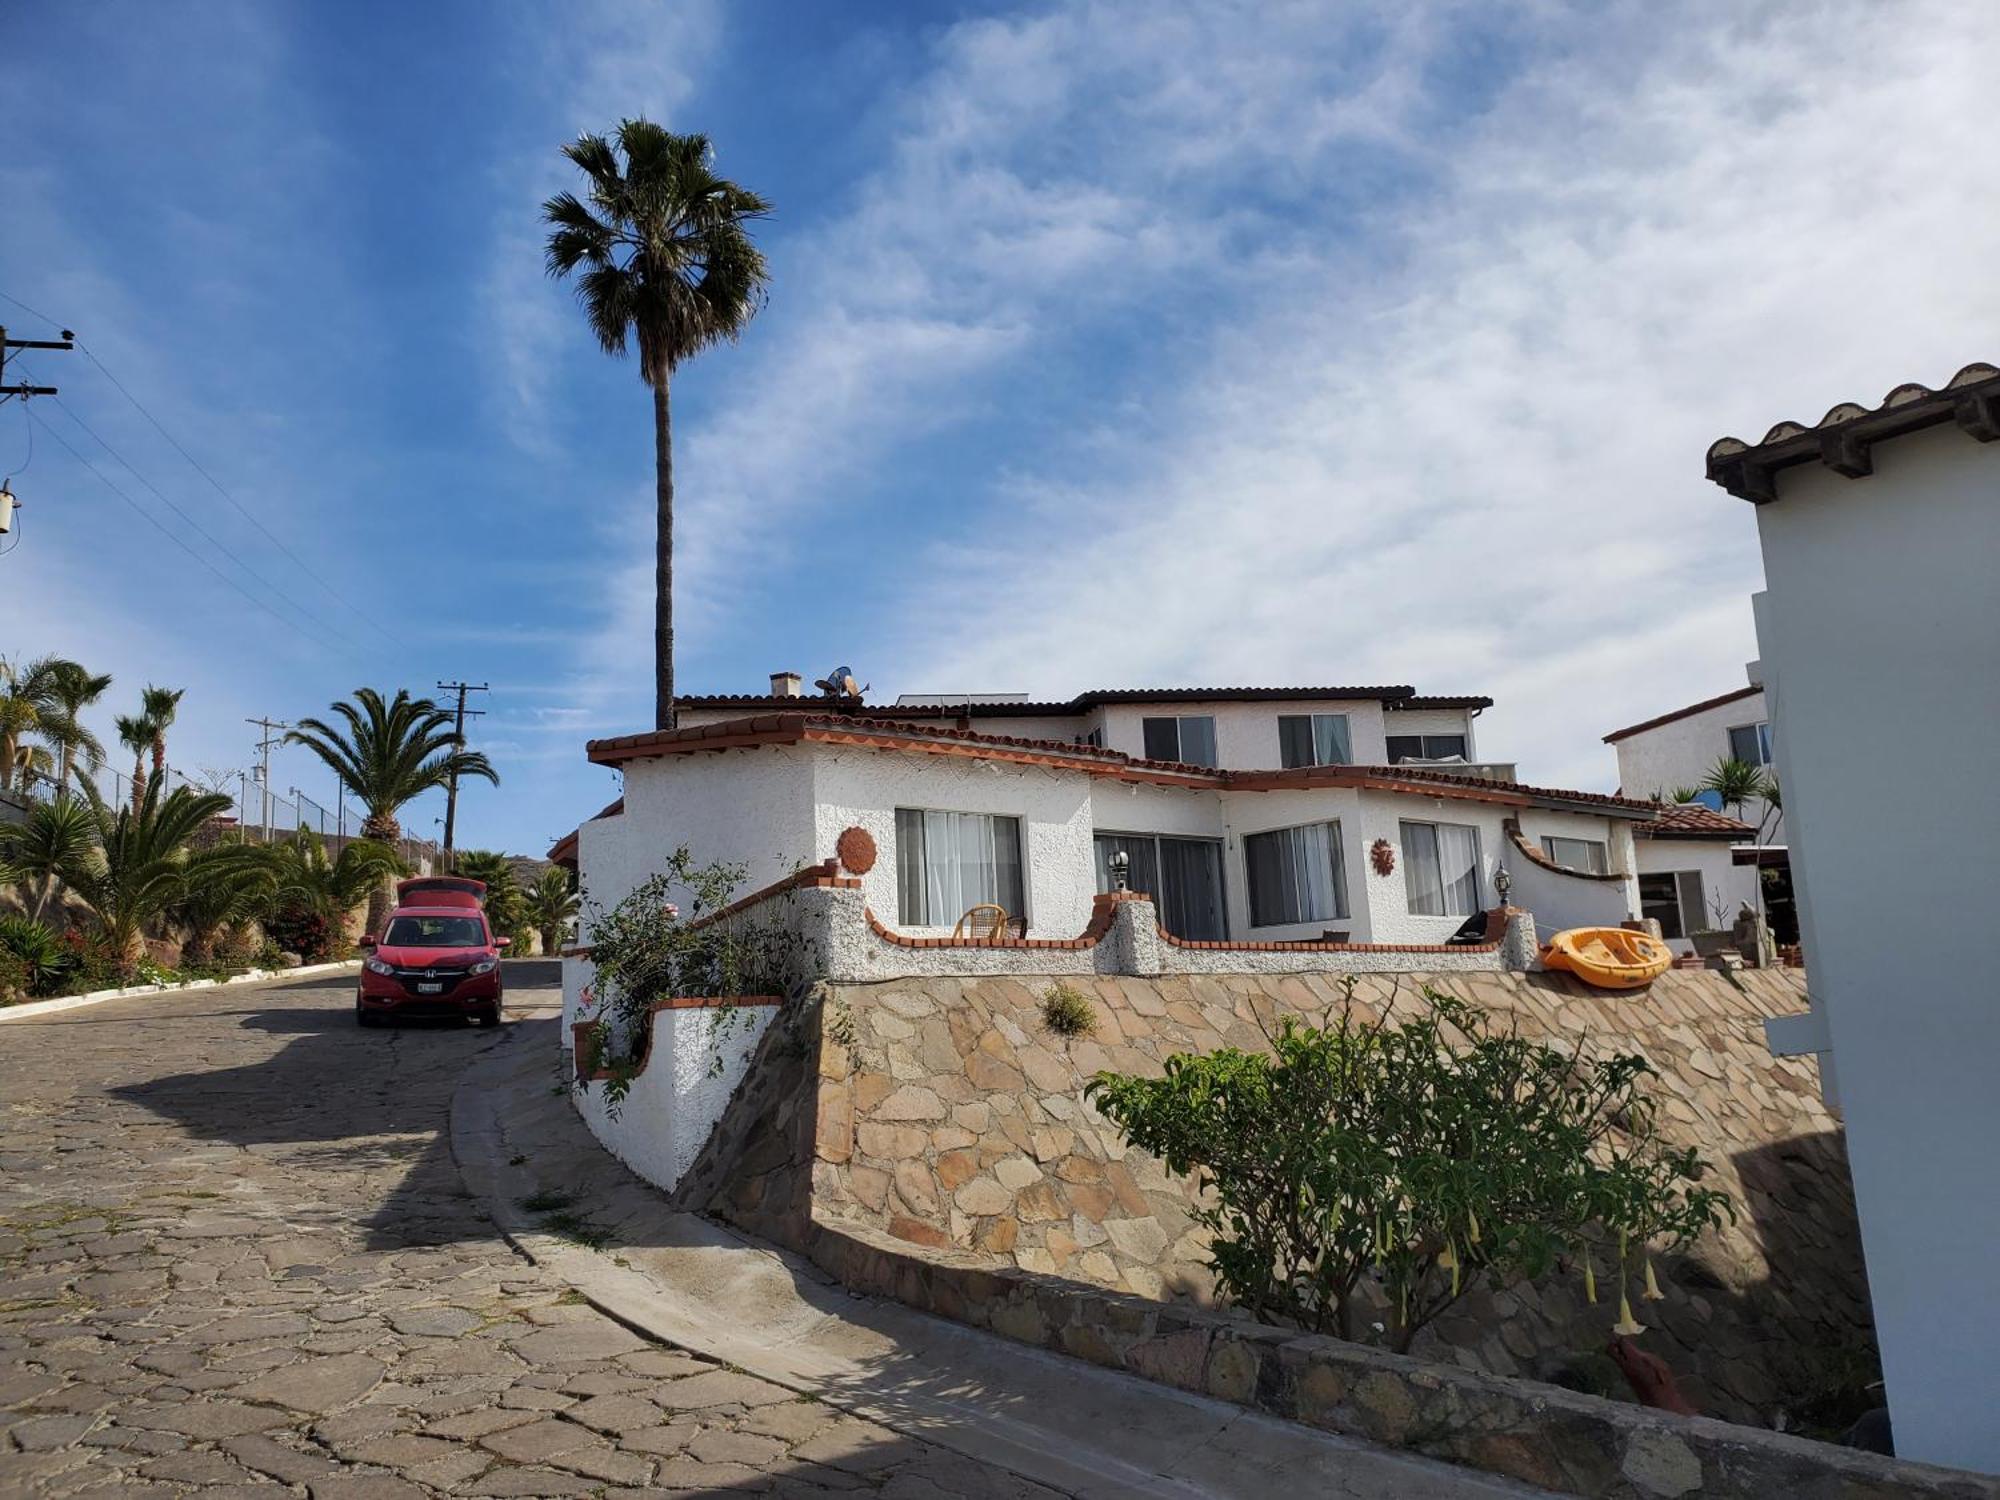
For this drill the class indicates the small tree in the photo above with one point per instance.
(1416, 1157)
(551, 906)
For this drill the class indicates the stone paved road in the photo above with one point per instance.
(236, 1259)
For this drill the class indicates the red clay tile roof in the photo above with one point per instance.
(1681, 713)
(796, 728)
(1841, 439)
(1691, 820)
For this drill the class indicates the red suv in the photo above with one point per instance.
(437, 957)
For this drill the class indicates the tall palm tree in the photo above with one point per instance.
(159, 705)
(551, 906)
(386, 754)
(135, 733)
(73, 688)
(26, 696)
(667, 259)
(136, 872)
(58, 837)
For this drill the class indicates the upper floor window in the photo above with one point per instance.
(1295, 875)
(1441, 869)
(949, 862)
(1094, 739)
(1588, 855)
(1187, 738)
(1404, 747)
(1313, 740)
(1751, 744)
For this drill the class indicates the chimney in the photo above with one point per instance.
(785, 684)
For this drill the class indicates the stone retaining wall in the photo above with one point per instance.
(945, 1116)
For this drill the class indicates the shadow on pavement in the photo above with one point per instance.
(336, 1100)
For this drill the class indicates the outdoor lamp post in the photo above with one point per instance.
(1502, 883)
(1121, 869)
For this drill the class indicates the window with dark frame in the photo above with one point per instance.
(1314, 740)
(949, 862)
(1182, 875)
(1404, 747)
(1673, 898)
(1295, 875)
(1751, 744)
(1187, 738)
(1441, 869)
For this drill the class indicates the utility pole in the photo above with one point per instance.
(451, 787)
(271, 737)
(67, 341)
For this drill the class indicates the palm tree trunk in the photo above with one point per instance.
(68, 765)
(138, 779)
(384, 829)
(663, 559)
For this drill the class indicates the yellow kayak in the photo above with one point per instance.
(1611, 958)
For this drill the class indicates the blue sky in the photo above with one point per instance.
(1110, 344)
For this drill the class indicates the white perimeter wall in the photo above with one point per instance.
(1883, 590)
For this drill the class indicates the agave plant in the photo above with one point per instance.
(552, 905)
(37, 952)
(59, 837)
(135, 874)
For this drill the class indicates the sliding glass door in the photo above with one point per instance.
(1183, 876)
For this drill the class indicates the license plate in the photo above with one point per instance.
(430, 989)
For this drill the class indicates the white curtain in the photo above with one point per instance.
(1331, 746)
(1420, 870)
(1295, 875)
(1458, 862)
(950, 862)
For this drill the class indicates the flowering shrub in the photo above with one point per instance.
(1398, 1164)
(308, 933)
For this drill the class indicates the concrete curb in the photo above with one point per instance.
(1060, 1422)
(34, 1008)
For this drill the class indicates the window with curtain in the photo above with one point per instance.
(1182, 875)
(1751, 744)
(1587, 855)
(1187, 738)
(1295, 875)
(1441, 869)
(1404, 747)
(1313, 740)
(949, 862)
(1674, 899)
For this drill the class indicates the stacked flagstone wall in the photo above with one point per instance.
(945, 1117)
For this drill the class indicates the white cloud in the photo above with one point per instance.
(1480, 468)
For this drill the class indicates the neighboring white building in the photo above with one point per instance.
(1881, 539)
(1697, 865)
(1252, 816)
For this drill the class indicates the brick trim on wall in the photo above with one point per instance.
(1535, 856)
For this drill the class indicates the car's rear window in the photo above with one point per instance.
(435, 932)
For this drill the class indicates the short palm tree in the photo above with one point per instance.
(27, 694)
(666, 259)
(135, 733)
(221, 886)
(331, 887)
(551, 906)
(135, 873)
(503, 900)
(59, 836)
(73, 688)
(159, 705)
(386, 754)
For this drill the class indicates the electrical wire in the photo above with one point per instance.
(214, 483)
(171, 535)
(214, 541)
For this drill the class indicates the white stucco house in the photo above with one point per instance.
(1698, 865)
(1252, 816)
(1880, 530)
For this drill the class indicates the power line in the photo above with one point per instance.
(214, 483)
(171, 535)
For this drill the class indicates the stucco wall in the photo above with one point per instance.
(953, 1120)
(1881, 591)
(1734, 884)
(1246, 734)
(1655, 762)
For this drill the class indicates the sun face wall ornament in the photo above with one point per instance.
(856, 848)
(1382, 855)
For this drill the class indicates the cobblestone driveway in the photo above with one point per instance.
(236, 1258)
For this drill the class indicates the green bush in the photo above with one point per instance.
(32, 956)
(1361, 1158)
(1067, 1011)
